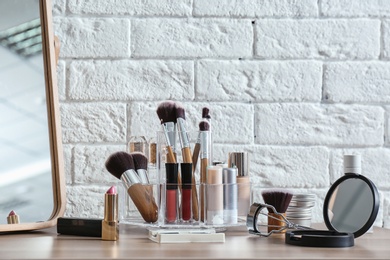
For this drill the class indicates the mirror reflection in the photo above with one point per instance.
(25, 165)
(350, 205)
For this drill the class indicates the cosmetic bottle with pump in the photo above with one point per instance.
(241, 161)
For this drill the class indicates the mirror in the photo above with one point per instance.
(351, 205)
(31, 171)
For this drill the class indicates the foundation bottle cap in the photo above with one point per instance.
(241, 161)
(186, 175)
(171, 175)
(352, 164)
(229, 175)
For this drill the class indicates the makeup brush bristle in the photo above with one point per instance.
(140, 160)
(119, 162)
(204, 126)
(205, 113)
(166, 111)
(280, 199)
(180, 111)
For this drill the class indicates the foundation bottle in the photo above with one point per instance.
(241, 161)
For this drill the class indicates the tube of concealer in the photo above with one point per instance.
(214, 196)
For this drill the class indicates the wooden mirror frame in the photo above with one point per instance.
(57, 164)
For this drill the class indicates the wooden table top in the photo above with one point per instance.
(134, 244)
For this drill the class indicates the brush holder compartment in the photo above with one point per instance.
(130, 208)
(213, 212)
(208, 215)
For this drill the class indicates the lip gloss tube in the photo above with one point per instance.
(186, 198)
(171, 198)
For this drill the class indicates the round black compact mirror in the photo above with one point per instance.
(351, 205)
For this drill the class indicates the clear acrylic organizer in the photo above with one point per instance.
(211, 212)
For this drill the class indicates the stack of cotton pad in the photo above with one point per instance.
(299, 209)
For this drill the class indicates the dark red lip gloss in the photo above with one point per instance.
(171, 170)
(186, 191)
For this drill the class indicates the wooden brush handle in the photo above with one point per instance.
(276, 222)
(187, 158)
(203, 174)
(195, 156)
(142, 197)
(186, 153)
(195, 206)
(171, 158)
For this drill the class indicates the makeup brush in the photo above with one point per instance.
(184, 139)
(186, 154)
(203, 126)
(121, 165)
(279, 199)
(204, 162)
(166, 111)
(141, 166)
(206, 117)
(195, 154)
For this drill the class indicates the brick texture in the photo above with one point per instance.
(191, 38)
(297, 84)
(318, 39)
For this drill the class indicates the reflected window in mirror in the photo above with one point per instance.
(351, 205)
(25, 163)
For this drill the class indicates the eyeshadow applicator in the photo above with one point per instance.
(121, 165)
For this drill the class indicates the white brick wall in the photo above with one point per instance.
(297, 84)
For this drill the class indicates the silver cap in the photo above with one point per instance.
(353, 164)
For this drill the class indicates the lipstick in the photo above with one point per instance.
(110, 228)
(12, 218)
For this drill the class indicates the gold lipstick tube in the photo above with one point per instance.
(13, 218)
(110, 227)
